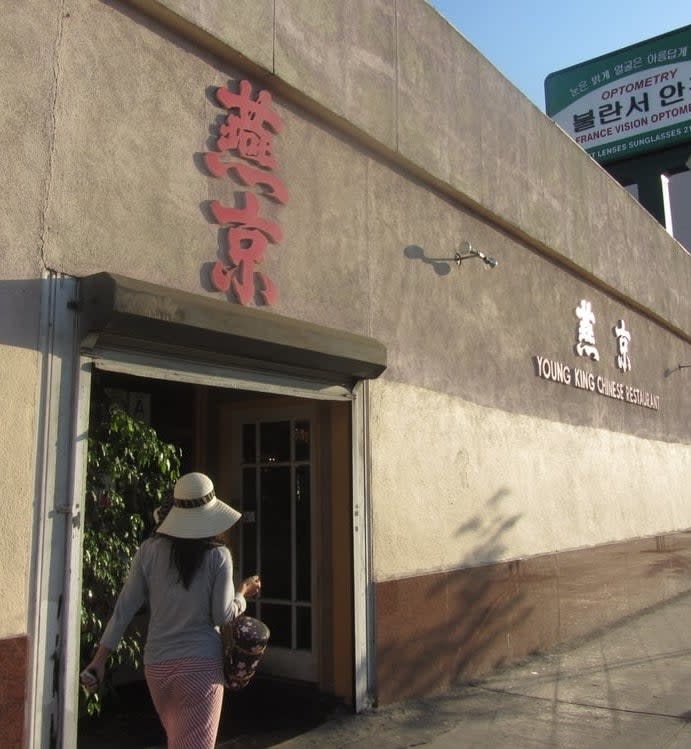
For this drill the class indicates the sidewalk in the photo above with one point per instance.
(626, 688)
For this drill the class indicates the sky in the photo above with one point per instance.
(528, 39)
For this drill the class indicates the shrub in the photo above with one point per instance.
(129, 472)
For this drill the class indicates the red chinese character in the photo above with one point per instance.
(247, 216)
(247, 239)
(248, 176)
(244, 282)
(250, 130)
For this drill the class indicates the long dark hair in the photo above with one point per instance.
(187, 554)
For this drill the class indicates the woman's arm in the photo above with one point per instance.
(227, 603)
(132, 597)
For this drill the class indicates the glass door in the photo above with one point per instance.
(274, 476)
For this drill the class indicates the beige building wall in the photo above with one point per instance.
(18, 383)
(28, 39)
(460, 485)
(401, 78)
(104, 214)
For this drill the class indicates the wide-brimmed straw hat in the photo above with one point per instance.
(196, 511)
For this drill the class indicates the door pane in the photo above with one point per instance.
(277, 619)
(274, 442)
(275, 533)
(302, 440)
(304, 628)
(275, 472)
(249, 524)
(303, 556)
(249, 489)
(249, 444)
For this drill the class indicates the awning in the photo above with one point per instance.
(123, 313)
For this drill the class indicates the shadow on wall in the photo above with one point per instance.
(440, 266)
(435, 629)
(488, 603)
(633, 668)
(457, 626)
(20, 309)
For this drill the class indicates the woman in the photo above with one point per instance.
(186, 577)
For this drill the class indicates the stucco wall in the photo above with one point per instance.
(401, 77)
(398, 135)
(18, 384)
(460, 485)
(129, 195)
(27, 81)
(397, 78)
(473, 332)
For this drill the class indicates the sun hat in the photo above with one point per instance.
(196, 511)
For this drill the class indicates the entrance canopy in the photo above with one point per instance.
(123, 313)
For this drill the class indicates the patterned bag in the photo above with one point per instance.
(244, 642)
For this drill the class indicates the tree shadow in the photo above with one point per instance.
(440, 629)
(502, 639)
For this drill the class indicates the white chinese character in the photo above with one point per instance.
(586, 331)
(623, 338)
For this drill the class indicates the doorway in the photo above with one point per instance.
(285, 462)
(107, 323)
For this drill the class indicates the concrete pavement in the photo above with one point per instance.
(626, 688)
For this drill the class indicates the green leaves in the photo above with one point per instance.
(129, 472)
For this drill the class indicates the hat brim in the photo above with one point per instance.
(206, 521)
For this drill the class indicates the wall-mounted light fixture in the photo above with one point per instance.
(441, 264)
(467, 251)
(668, 372)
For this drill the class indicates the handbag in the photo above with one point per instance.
(244, 642)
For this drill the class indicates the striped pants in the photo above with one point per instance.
(188, 696)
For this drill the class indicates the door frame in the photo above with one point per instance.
(363, 583)
(51, 702)
(61, 478)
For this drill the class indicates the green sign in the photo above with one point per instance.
(628, 102)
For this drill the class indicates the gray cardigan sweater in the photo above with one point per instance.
(183, 623)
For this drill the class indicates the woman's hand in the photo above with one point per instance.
(92, 676)
(250, 586)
